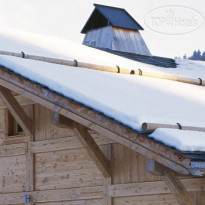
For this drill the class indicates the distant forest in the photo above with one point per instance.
(197, 55)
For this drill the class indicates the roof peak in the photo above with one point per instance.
(104, 15)
(109, 6)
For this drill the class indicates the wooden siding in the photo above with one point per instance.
(65, 175)
(99, 38)
(117, 39)
(129, 41)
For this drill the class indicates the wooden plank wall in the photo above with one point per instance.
(129, 41)
(65, 175)
(99, 38)
(118, 39)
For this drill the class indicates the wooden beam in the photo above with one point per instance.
(152, 188)
(20, 99)
(29, 168)
(61, 121)
(178, 189)
(16, 139)
(13, 150)
(107, 199)
(93, 150)
(149, 189)
(175, 185)
(16, 110)
(59, 195)
(64, 143)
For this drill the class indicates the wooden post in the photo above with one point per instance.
(107, 198)
(107, 150)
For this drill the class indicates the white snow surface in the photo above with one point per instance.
(183, 140)
(129, 99)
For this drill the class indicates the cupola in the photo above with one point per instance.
(114, 29)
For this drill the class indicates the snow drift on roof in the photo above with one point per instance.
(128, 99)
(183, 140)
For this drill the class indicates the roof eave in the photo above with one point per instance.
(96, 121)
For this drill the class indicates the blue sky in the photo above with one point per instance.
(65, 18)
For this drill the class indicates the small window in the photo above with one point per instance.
(19, 129)
(12, 127)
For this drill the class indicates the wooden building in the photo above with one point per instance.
(57, 151)
(114, 29)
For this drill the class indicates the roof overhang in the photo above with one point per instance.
(100, 123)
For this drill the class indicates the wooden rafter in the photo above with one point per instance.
(16, 110)
(87, 141)
(175, 185)
(93, 150)
(20, 99)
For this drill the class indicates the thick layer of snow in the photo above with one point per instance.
(128, 99)
(183, 140)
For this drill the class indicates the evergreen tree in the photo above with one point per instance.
(203, 56)
(196, 55)
(185, 56)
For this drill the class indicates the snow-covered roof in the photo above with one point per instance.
(129, 99)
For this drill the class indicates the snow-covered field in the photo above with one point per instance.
(128, 99)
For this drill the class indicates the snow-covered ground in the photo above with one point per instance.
(128, 99)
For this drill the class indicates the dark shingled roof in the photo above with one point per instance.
(152, 60)
(105, 15)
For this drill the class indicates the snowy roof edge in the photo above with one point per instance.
(96, 121)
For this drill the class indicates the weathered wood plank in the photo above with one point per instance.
(16, 139)
(157, 187)
(12, 174)
(54, 195)
(63, 144)
(148, 191)
(78, 202)
(13, 150)
(65, 169)
(16, 110)
(29, 169)
(158, 199)
(93, 150)
(107, 199)
(178, 189)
